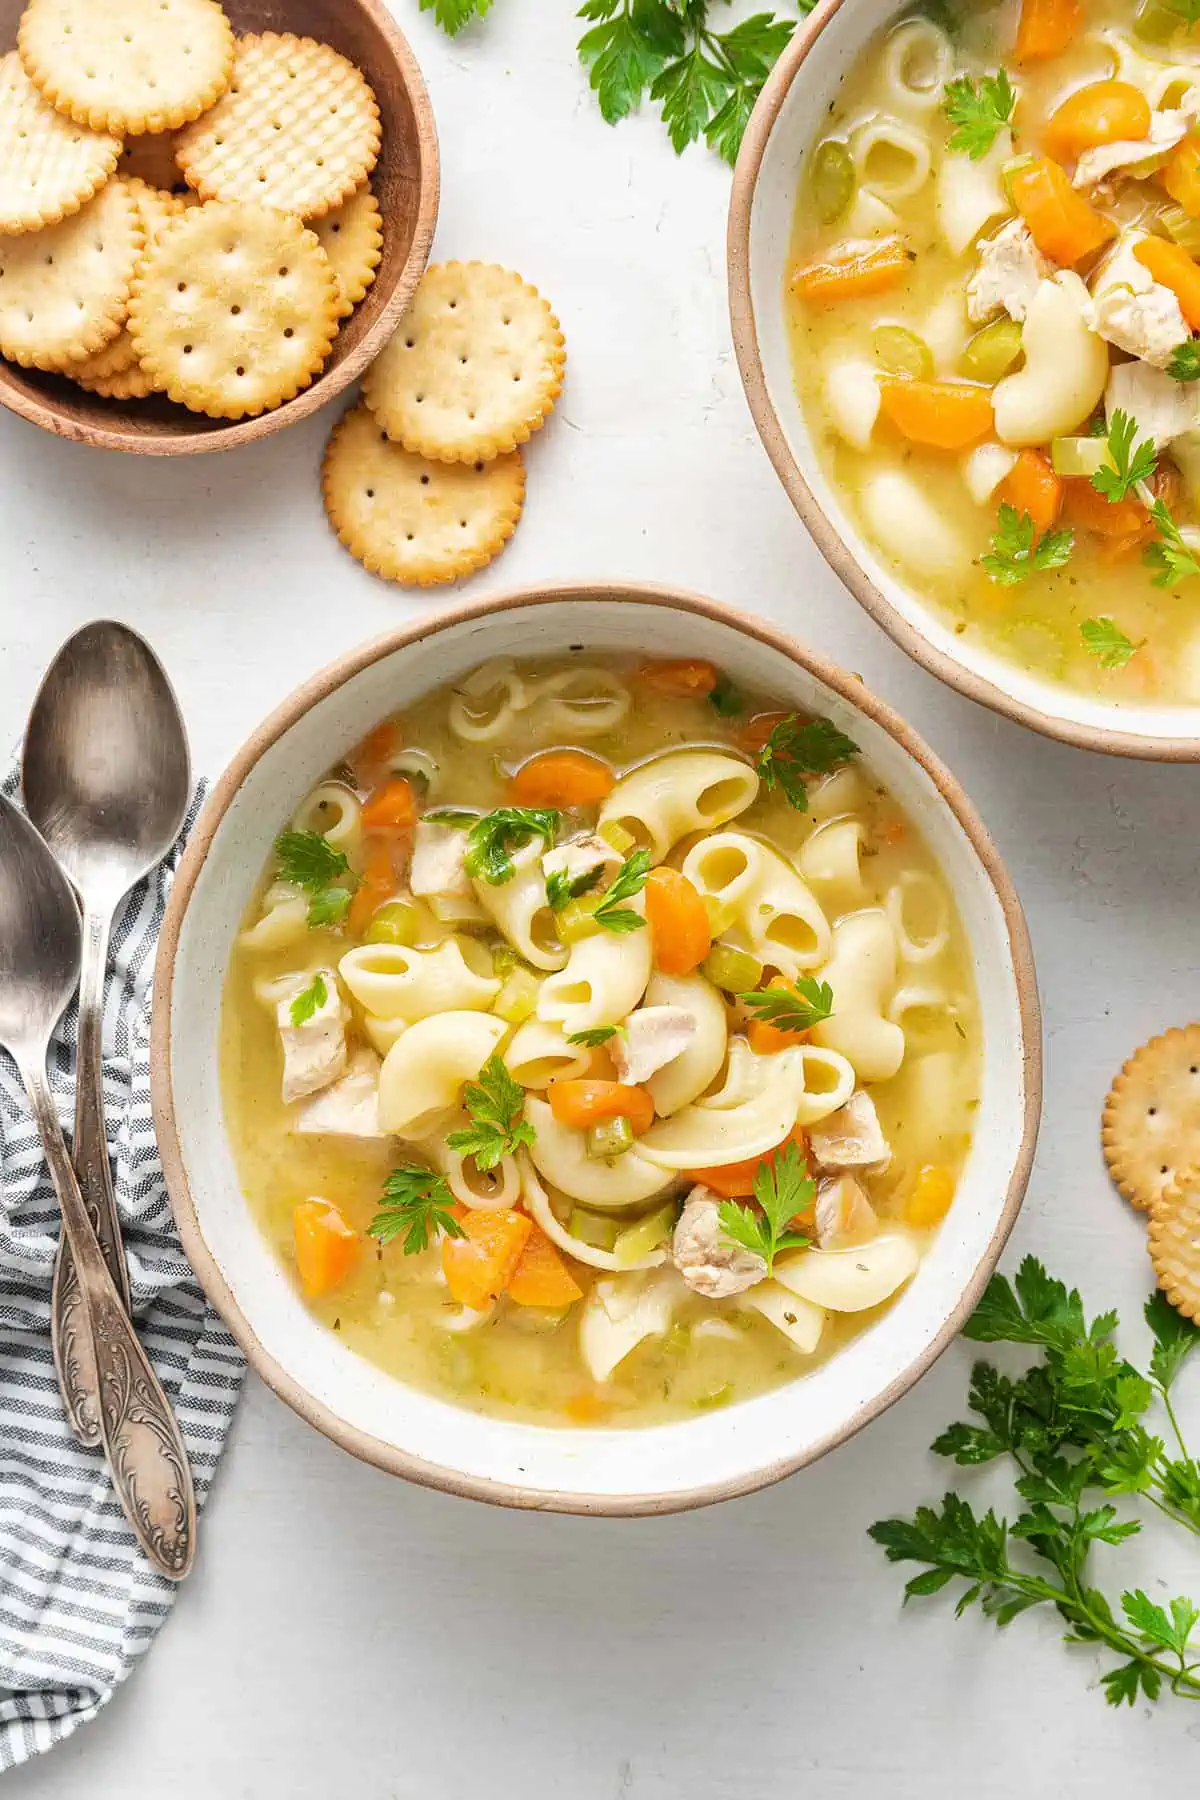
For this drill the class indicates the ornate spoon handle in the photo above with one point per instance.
(142, 1443)
(72, 1344)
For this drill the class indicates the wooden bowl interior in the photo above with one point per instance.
(405, 182)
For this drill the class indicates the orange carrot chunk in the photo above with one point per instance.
(678, 922)
(542, 1277)
(583, 1102)
(754, 733)
(1032, 487)
(390, 808)
(376, 884)
(681, 680)
(479, 1266)
(948, 415)
(1103, 112)
(326, 1247)
(1046, 28)
(1180, 175)
(1064, 227)
(852, 271)
(563, 778)
(1171, 264)
(735, 1181)
(1082, 505)
(379, 744)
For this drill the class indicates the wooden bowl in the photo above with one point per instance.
(405, 180)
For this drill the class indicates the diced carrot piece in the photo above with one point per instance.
(1113, 550)
(542, 1277)
(391, 807)
(588, 1407)
(1064, 227)
(754, 733)
(948, 415)
(852, 272)
(479, 1266)
(932, 1192)
(1171, 264)
(683, 679)
(735, 1181)
(563, 778)
(1046, 28)
(1032, 487)
(1082, 505)
(1180, 175)
(376, 884)
(678, 921)
(326, 1247)
(379, 744)
(1103, 112)
(584, 1102)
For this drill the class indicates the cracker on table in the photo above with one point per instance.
(410, 520)
(49, 166)
(352, 238)
(64, 291)
(127, 65)
(1151, 1122)
(298, 129)
(1174, 1242)
(233, 309)
(110, 371)
(474, 368)
(128, 383)
(151, 158)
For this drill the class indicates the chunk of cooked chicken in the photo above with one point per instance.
(314, 1051)
(350, 1107)
(580, 856)
(709, 1263)
(844, 1214)
(1010, 268)
(851, 1137)
(1160, 407)
(652, 1037)
(1134, 155)
(1132, 310)
(439, 861)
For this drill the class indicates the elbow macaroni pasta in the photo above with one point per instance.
(423, 1073)
(560, 1157)
(335, 812)
(673, 795)
(519, 907)
(392, 982)
(604, 979)
(770, 908)
(862, 974)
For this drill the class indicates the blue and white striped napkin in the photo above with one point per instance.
(79, 1604)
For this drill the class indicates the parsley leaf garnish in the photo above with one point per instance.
(1131, 462)
(562, 888)
(797, 748)
(1187, 10)
(610, 915)
(1185, 359)
(508, 828)
(1170, 557)
(725, 699)
(456, 816)
(309, 861)
(599, 1034)
(796, 1008)
(1018, 552)
(1107, 642)
(782, 1189)
(416, 1202)
(452, 15)
(496, 1104)
(979, 113)
(307, 1004)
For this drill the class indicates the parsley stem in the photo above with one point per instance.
(1179, 1439)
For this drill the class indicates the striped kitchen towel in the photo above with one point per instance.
(79, 1604)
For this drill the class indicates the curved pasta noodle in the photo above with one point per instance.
(909, 527)
(1155, 78)
(763, 895)
(830, 862)
(851, 1280)
(852, 399)
(424, 1071)
(282, 922)
(483, 1190)
(604, 979)
(381, 1034)
(582, 702)
(392, 981)
(926, 1013)
(673, 795)
(870, 217)
(947, 331)
(798, 1319)
(879, 146)
(841, 792)
(918, 60)
(1064, 372)
(617, 1316)
(519, 907)
(933, 1088)
(537, 1202)
(560, 1157)
(686, 1077)
(733, 1125)
(971, 193)
(483, 707)
(916, 945)
(334, 811)
(539, 1054)
(984, 468)
(862, 973)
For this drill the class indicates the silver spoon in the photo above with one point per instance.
(40, 951)
(106, 781)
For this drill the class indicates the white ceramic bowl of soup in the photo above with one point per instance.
(788, 123)
(414, 1433)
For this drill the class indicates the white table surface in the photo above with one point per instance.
(347, 1634)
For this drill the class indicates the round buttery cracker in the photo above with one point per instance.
(131, 383)
(114, 370)
(49, 166)
(1174, 1242)
(298, 129)
(352, 238)
(474, 368)
(233, 309)
(1151, 1122)
(413, 521)
(127, 65)
(64, 291)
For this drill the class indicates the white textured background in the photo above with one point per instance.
(347, 1635)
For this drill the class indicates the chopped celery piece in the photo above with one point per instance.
(832, 180)
(616, 835)
(611, 1137)
(718, 1397)
(1035, 645)
(592, 1228)
(575, 920)
(1078, 455)
(902, 352)
(517, 998)
(1185, 454)
(992, 352)
(637, 1241)
(1012, 167)
(720, 916)
(395, 922)
(1155, 22)
(1182, 227)
(734, 970)
(504, 960)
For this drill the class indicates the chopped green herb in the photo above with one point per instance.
(492, 838)
(725, 699)
(600, 1034)
(798, 748)
(1171, 557)
(1131, 462)
(452, 815)
(498, 1127)
(452, 15)
(979, 112)
(417, 1202)
(796, 1008)
(783, 1189)
(309, 861)
(306, 1005)
(1017, 552)
(1185, 361)
(610, 915)
(561, 888)
(1187, 10)
(1107, 642)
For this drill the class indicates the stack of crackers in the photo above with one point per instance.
(182, 211)
(1151, 1138)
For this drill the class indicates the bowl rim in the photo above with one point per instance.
(837, 552)
(318, 687)
(328, 383)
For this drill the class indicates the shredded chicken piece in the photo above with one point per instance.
(652, 1037)
(1010, 268)
(709, 1263)
(438, 861)
(579, 856)
(1134, 155)
(844, 1214)
(1160, 407)
(350, 1107)
(314, 1052)
(851, 1137)
(1132, 310)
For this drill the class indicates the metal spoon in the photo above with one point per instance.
(40, 951)
(106, 782)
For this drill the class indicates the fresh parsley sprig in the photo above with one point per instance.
(1072, 1425)
(797, 1007)
(307, 1004)
(1107, 642)
(492, 839)
(498, 1128)
(1171, 558)
(782, 1188)
(309, 861)
(562, 888)
(726, 700)
(417, 1203)
(598, 1034)
(979, 112)
(1131, 461)
(610, 915)
(798, 748)
(1185, 359)
(1187, 10)
(1017, 552)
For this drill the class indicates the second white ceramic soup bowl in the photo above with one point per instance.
(430, 1440)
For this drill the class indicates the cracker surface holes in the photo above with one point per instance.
(352, 238)
(49, 166)
(64, 290)
(127, 65)
(1151, 1122)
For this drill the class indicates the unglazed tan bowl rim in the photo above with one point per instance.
(837, 552)
(387, 1456)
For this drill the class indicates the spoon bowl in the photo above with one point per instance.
(40, 938)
